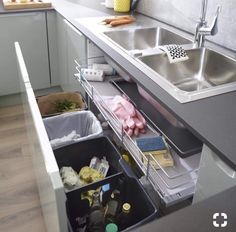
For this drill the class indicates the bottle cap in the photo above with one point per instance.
(126, 207)
(111, 227)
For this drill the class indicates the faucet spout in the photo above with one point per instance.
(203, 12)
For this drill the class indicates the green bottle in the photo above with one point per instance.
(111, 227)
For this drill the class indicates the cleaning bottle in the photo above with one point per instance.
(96, 216)
(112, 207)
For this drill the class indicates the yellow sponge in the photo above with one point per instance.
(164, 159)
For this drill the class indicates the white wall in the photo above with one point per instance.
(185, 13)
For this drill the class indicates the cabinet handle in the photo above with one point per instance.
(73, 28)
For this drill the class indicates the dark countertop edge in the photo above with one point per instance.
(178, 109)
(198, 217)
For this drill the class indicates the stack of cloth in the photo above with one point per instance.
(157, 147)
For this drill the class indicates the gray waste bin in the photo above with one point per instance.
(72, 127)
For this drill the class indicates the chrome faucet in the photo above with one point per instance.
(202, 29)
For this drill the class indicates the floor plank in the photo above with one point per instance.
(19, 201)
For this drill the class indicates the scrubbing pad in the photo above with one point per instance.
(156, 144)
(175, 53)
(164, 160)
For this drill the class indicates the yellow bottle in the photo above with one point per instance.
(122, 5)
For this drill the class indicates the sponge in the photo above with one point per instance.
(155, 143)
(165, 159)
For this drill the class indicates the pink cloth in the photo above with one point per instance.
(133, 122)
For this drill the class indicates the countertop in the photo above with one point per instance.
(213, 119)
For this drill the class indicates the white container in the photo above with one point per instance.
(106, 68)
(92, 74)
(109, 4)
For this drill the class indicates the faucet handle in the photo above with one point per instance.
(214, 25)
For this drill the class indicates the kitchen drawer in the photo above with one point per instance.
(173, 184)
(54, 198)
(50, 186)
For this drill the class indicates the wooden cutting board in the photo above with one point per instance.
(9, 5)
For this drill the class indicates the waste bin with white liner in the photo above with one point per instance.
(72, 127)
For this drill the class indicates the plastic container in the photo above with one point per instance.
(48, 104)
(106, 68)
(79, 154)
(143, 210)
(83, 123)
(122, 5)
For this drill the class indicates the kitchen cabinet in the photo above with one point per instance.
(62, 51)
(76, 49)
(71, 46)
(31, 31)
(215, 176)
(53, 47)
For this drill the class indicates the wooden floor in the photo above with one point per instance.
(19, 201)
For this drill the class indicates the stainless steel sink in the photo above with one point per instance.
(145, 38)
(205, 73)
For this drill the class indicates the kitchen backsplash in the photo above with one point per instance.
(184, 14)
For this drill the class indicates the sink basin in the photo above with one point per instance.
(205, 73)
(145, 38)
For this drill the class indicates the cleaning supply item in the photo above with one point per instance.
(92, 74)
(155, 143)
(122, 5)
(175, 53)
(106, 68)
(157, 159)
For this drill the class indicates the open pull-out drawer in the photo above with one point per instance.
(61, 206)
(173, 184)
(51, 190)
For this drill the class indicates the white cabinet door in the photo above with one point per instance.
(30, 30)
(62, 50)
(53, 47)
(215, 176)
(50, 186)
(76, 49)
